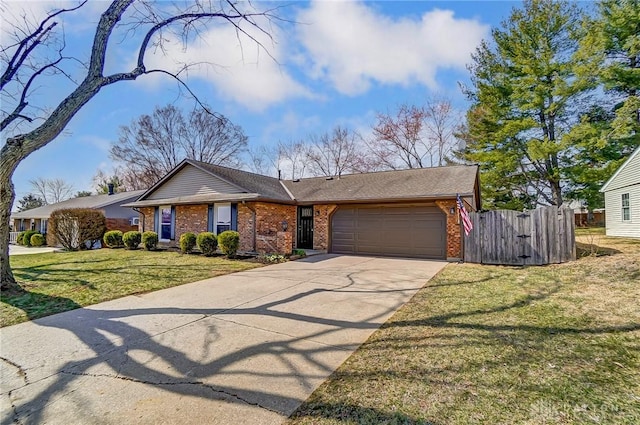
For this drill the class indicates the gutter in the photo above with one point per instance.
(143, 216)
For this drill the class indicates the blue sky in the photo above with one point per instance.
(340, 63)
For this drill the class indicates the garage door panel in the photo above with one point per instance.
(413, 231)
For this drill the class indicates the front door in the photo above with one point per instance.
(305, 227)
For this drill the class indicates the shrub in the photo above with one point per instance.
(37, 239)
(187, 242)
(150, 240)
(76, 228)
(272, 258)
(207, 243)
(299, 252)
(19, 238)
(229, 242)
(113, 239)
(26, 237)
(132, 239)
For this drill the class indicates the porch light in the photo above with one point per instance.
(285, 225)
(452, 210)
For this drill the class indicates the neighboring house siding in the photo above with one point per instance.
(116, 211)
(192, 181)
(616, 226)
(628, 175)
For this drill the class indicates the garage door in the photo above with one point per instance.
(393, 230)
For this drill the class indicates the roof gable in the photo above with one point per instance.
(190, 180)
(196, 179)
(627, 174)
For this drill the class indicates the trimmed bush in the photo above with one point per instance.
(229, 242)
(37, 239)
(150, 240)
(19, 238)
(113, 239)
(132, 239)
(76, 228)
(187, 242)
(207, 243)
(26, 238)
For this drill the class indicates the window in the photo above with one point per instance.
(33, 224)
(222, 216)
(626, 210)
(43, 226)
(165, 223)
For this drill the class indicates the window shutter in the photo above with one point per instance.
(173, 223)
(156, 220)
(234, 217)
(210, 224)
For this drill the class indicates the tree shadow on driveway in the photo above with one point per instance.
(210, 353)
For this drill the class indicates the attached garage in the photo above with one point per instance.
(390, 229)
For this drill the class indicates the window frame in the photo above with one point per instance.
(216, 215)
(625, 210)
(160, 223)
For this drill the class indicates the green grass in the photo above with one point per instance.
(500, 345)
(62, 281)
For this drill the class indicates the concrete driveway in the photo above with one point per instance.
(242, 348)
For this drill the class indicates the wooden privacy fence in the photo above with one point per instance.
(541, 236)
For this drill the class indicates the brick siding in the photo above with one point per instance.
(147, 219)
(122, 224)
(454, 238)
(321, 231)
(190, 218)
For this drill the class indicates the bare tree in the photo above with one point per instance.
(292, 159)
(152, 145)
(416, 136)
(33, 55)
(264, 160)
(441, 121)
(51, 191)
(335, 153)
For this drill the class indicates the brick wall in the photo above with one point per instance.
(190, 218)
(321, 232)
(147, 219)
(454, 238)
(246, 227)
(269, 237)
(122, 224)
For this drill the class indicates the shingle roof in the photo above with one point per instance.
(95, 201)
(267, 187)
(414, 184)
(423, 183)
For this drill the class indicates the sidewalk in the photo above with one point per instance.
(23, 250)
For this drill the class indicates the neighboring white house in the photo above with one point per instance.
(622, 199)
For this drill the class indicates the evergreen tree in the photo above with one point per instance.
(610, 130)
(526, 96)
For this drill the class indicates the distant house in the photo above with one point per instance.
(118, 217)
(622, 199)
(409, 213)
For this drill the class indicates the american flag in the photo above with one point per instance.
(464, 215)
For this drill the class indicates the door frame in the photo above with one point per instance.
(307, 219)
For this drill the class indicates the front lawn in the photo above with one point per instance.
(501, 345)
(62, 281)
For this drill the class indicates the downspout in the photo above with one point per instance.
(143, 216)
(255, 225)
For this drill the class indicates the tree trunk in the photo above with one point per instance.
(7, 196)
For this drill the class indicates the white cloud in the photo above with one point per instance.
(353, 45)
(236, 66)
